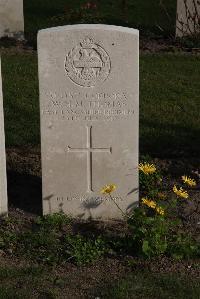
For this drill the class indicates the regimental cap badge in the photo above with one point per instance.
(88, 64)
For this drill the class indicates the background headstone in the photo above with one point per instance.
(188, 17)
(11, 18)
(3, 180)
(89, 99)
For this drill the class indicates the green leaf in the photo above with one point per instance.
(145, 247)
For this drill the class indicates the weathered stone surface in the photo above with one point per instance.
(11, 18)
(89, 118)
(188, 15)
(3, 180)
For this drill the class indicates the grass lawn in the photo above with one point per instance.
(169, 102)
(154, 286)
(21, 98)
(149, 16)
(149, 285)
(31, 282)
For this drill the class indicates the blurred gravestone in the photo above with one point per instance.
(11, 19)
(188, 17)
(89, 101)
(3, 180)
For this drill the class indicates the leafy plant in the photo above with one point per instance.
(83, 250)
(42, 245)
(182, 245)
(154, 226)
(54, 221)
(49, 240)
(148, 233)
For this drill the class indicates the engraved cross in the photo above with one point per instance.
(89, 150)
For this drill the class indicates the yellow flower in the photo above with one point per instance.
(144, 201)
(152, 204)
(180, 192)
(148, 202)
(147, 168)
(160, 211)
(108, 189)
(188, 181)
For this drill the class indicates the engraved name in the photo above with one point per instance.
(88, 106)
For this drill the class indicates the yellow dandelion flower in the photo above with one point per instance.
(152, 204)
(160, 211)
(144, 200)
(188, 181)
(147, 168)
(148, 202)
(180, 192)
(108, 189)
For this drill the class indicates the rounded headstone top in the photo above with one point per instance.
(91, 27)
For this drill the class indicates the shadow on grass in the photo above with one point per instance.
(150, 285)
(25, 192)
(169, 140)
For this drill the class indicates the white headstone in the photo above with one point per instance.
(188, 17)
(3, 180)
(89, 101)
(11, 18)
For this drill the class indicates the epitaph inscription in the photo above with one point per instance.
(89, 101)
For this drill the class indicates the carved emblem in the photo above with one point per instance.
(87, 64)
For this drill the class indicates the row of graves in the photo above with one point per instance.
(89, 110)
(12, 19)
